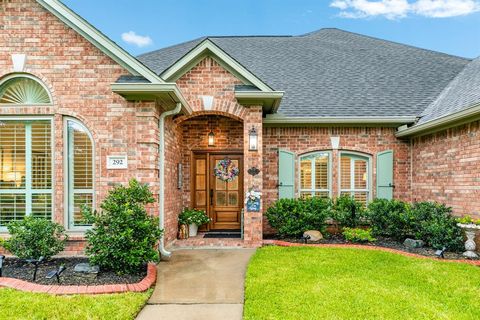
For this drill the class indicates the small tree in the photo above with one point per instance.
(124, 235)
(32, 238)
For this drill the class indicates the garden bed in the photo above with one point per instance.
(19, 269)
(381, 242)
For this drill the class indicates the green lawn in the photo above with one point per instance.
(20, 305)
(340, 283)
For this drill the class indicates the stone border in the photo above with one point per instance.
(26, 286)
(281, 243)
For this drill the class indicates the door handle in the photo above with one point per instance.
(211, 197)
(389, 186)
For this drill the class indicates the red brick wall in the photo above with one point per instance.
(78, 76)
(445, 168)
(368, 140)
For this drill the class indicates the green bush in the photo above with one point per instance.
(428, 221)
(193, 216)
(32, 238)
(123, 236)
(348, 212)
(358, 235)
(391, 218)
(437, 227)
(292, 217)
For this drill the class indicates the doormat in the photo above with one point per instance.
(222, 235)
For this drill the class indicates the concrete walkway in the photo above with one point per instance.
(200, 284)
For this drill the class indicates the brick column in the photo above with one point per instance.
(253, 221)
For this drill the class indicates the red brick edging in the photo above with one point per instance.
(143, 285)
(365, 247)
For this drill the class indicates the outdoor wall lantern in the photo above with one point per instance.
(253, 139)
(211, 139)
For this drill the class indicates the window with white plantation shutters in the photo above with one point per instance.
(354, 177)
(80, 172)
(25, 170)
(315, 175)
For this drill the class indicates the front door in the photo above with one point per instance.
(222, 200)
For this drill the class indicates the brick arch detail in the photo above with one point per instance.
(196, 114)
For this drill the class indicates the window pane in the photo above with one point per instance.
(345, 172)
(12, 207)
(80, 168)
(321, 172)
(305, 174)
(360, 174)
(305, 194)
(12, 155)
(361, 196)
(23, 90)
(79, 200)
(322, 194)
(42, 206)
(82, 159)
(41, 156)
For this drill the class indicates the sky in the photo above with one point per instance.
(139, 26)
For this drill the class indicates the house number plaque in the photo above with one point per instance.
(117, 162)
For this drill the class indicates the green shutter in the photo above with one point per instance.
(385, 175)
(286, 174)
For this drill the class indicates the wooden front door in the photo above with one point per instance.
(223, 201)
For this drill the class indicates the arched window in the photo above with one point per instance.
(79, 163)
(355, 176)
(23, 89)
(315, 175)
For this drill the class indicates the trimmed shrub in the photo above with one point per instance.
(32, 238)
(437, 227)
(358, 235)
(348, 212)
(391, 218)
(292, 217)
(124, 235)
(428, 221)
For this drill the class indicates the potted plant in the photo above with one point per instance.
(193, 218)
(470, 226)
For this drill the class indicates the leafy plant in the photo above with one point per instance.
(32, 238)
(348, 212)
(391, 218)
(292, 217)
(193, 216)
(468, 220)
(358, 235)
(124, 235)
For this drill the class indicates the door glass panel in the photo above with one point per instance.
(233, 185)
(221, 185)
(233, 199)
(221, 198)
(200, 198)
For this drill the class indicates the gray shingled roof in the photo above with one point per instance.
(460, 94)
(334, 73)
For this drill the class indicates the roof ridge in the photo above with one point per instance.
(172, 46)
(386, 41)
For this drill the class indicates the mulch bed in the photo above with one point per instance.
(381, 242)
(19, 269)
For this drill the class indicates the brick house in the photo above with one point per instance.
(321, 114)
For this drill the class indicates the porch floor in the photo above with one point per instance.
(199, 241)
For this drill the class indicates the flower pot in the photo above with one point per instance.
(192, 229)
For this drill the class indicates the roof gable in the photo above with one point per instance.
(208, 48)
(99, 40)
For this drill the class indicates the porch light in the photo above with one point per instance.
(253, 140)
(211, 139)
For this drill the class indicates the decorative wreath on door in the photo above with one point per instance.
(226, 170)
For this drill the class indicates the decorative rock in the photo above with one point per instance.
(411, 243)
(314, 235)
(85, 270)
